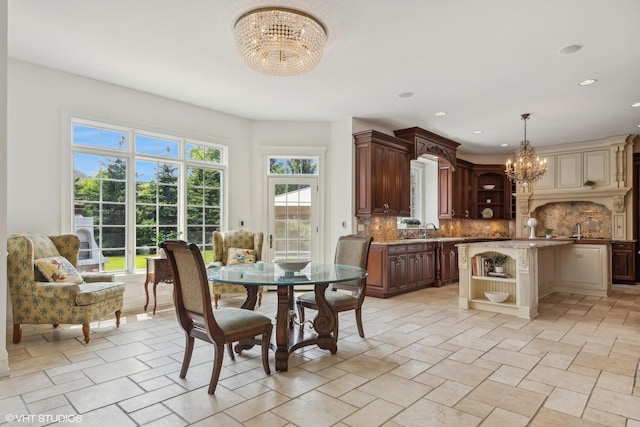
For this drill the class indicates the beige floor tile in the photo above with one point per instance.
(375, 413)
(101, 395)
(366, 366)
(605, 418)
(150, 413)
(357, 398)
(512, 358)
(113, 370)
(16, 385)
(47, 392)
(196, 405)
(615, 403)
(547, 417)
(512, 399)
(342, 385)
(449, 393)
(460, 372)
(508, 375)
(108, 416)
(500, 418)
(267, 419)
(623, 365)
(561, 378)
(567, 401)
(616, 382)
(252, 408)
(410, 369)
(428, 413)
(294, 382)
(473, 407)
(314, 409)
(392, 388)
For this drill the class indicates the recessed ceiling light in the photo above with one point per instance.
(441, 113)
(637, 104)
(504, 145)
(477, 131)
(567, 50)
(406, 95)
(587, 82)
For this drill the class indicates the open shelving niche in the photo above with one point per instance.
(480, 284)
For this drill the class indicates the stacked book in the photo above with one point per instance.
(482, 266)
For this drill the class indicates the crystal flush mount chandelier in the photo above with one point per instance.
(280, 41)
(525, 169)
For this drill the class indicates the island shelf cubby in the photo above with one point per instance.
(481, 282)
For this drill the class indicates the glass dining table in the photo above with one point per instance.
(289, 336)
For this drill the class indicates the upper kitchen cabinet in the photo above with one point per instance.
(430, 144)
(382, 174)
(463, 190)
(491, 192)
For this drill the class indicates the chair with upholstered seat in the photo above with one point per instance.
(46, 286)
(192, 301)
(235, 247)
(350, 250)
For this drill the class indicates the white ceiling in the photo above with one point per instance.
(483, 62)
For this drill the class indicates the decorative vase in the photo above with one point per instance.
(548, 236)
(498, 269)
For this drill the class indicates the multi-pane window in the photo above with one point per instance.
(128, 196)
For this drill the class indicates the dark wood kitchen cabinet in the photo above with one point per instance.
(491, 203)
(462, 198)
(400, 268)
(447, 263)
(382, 174)
(623, 261)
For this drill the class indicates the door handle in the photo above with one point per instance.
(270, 241)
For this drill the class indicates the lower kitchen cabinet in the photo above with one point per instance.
(399, 268)
(447, 263)
(623, 261)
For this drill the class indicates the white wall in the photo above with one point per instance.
(4, 357)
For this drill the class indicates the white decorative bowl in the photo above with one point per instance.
(291, 264)
(488, 187)
(495, 296)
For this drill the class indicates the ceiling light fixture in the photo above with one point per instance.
(441, 113)
(637, 104)
(477, 131)
(280, 41)
(525, 169)
(587, 82)
(405, 94)
(568, 50)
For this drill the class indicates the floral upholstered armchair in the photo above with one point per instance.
(235, 247)
(46, 287)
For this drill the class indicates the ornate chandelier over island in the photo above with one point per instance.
(525, 169)
(280, 41)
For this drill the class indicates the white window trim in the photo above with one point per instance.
(70, 117)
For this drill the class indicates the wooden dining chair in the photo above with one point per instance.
(351, 250)
(192, 300)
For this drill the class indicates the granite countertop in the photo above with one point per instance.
(522, 244)
(434, 240)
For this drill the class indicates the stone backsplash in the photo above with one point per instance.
(563, 217)
(385, 229)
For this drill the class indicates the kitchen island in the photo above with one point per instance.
(534, 268)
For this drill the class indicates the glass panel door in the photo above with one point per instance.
(293, 218)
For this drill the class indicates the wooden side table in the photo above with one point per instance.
(158, 270)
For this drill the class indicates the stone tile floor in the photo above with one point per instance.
(424, 362)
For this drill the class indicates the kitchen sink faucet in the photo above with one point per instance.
(426, 230)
